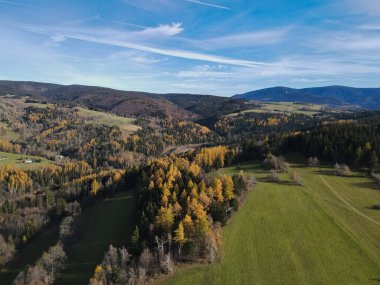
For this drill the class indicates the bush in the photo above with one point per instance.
(376, 207)
(46, 268)
(296, 179)
(276, 163)
(376, 177)
(242, 182)
(313, 162)
(342, 170)
(7, 250)
(273, 176)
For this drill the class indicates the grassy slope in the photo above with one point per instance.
(297, 235)
(8, 134)
(109, 222)
(125, 124)
(286, 107)
(11, 158)
(29, 254)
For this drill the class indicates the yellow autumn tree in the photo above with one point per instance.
(188, 225)
(179, 234)
(228, 188)
(95, 187)
(165, 219)
(218, 190)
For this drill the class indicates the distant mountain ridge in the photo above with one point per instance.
(124, 103)
(337, 96)
(127, 103)
(187, 106)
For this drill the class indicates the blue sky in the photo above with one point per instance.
(189, 46)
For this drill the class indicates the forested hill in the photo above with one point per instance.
(128, 103)
(340, 96)
(125, 103)
(187, 106)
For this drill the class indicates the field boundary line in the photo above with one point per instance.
(348, 204)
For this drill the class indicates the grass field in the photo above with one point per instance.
(16, 159)
(125, 124)
(108, 222)
(29, 254)
(6, 132)
(321, 233)
(286, 108)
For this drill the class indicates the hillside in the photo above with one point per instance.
(208, 105)
(338, 96)
(124, 103)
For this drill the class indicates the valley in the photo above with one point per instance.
(189, 142)
(208, 191)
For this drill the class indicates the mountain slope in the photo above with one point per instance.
(368, 98)
(207, 105)
(124, 103)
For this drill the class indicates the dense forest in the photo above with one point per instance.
(181, 211)
(354, 143)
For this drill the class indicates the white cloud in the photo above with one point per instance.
(162, 30)
(369, 7)
(344, 41)
(136, 57)
(153, 5)
(58, 38)
(254, 38)
(113, 38)
(370, 27)
(205, 71)
(208, 4)
(15, 3)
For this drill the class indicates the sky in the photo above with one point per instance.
(205, 47)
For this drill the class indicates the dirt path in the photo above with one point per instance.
(348, 204)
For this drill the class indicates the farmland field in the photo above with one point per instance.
(17, 159)
(324, 232)
(125, 124)
(286, 108)
(108, 222)
(7, 133)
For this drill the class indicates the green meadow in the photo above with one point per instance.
(18, 160)
(323, 232)
(107, 222)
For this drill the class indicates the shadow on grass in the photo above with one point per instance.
(374, 207)
(331, 172)
(367, 186)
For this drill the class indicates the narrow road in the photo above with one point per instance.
(348, 204)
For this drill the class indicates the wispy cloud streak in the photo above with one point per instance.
(208, 4)
(15, 3)
(185, 54)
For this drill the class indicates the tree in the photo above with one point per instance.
(95, 187)
(60, 206)
(136, 240)
(228, 188)
(218, 189)
(165, 219)
(313, 161)
(179, 237)
(373, 161)
(6, 251)
(273, 176)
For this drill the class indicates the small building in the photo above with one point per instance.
(59, 158)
